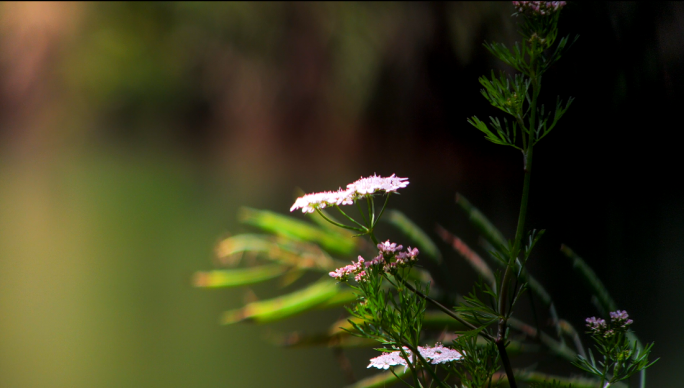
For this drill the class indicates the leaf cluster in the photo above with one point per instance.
(479, 364)
(621, 358)
(517, 95)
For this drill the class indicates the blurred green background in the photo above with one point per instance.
(130, 133)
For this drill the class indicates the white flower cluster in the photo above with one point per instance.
(436, 355)
(364, 186)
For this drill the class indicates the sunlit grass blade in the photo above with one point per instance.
(280, 249)
(341, 298)
(237, 277)
(293, 228)
(415, 234)
(229, 247)
(381, 380)
(284, 306)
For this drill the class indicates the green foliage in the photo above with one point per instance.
(479, 363)
(621, 358)
(390, 297)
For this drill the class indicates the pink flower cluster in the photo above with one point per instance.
(619, 320)
(390, 256)
(436, 355)
(364, 186)
(538, 7)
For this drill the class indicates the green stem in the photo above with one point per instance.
(509, 274)
(338, 224)
(361, 211)
(381, 211)
(363, 227)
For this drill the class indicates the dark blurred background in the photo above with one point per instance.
(130, 133)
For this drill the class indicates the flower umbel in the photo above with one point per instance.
(436, 355)
(375, 183)
(362, 187)
(310, 202)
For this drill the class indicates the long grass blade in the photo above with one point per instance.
(293, 228)
(284, 306)
(223, 278)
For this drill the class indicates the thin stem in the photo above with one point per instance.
(510, 268)
(338, 224)
(363, 227)
(382, 210)
(372, 237)
(365, 219)
(501, 346)
(414, 373)
(372, 203)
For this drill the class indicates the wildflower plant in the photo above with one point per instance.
(621, 357)
(390, 298)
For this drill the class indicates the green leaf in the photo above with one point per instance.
(237, 277)
(284, 306)
(293, 228)
(415, 234)
(489, 135)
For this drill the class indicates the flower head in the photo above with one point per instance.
(364, 186)
(596, 325)
(375, 183)
(389, 359)
(388, 247)
(538, 7)
(310, 202)
(435, 355)
(619, 320)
